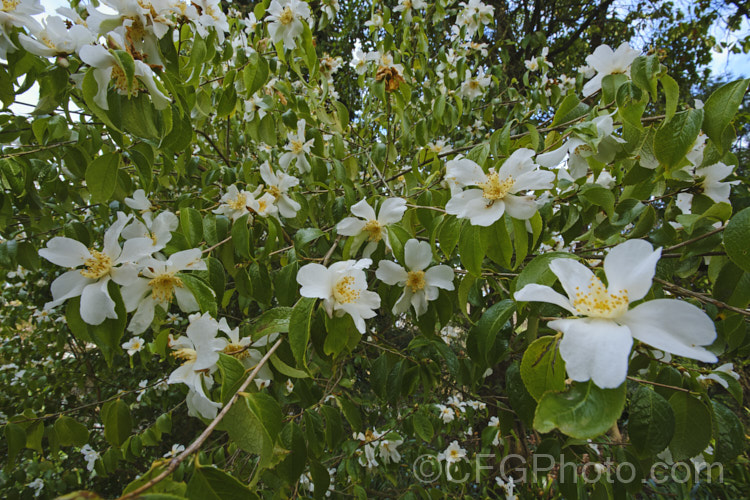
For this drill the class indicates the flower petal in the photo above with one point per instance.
(520, 207)
(417, 254)
(351, 226)
(465, 172)
(363, 210)
(630, 266)
(392, 210)
(470, 204)
(143, 316)
(96, 304)
(66, 286)
(65, 252)
(315, 281)
(673, 326)
(574, 276)
(595, 349)
(391, 273)
(440, 276)
(541, 293)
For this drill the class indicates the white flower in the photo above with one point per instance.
(200, 351)
(727, 369)
(211, 16)
(176, 450)
(474, 14)
(139, 201)
(343, 288)
(495, 422)
(234, 203)
(406, 7)
(277, 185)
(113, 262)
(420, 285)
(133, 345)
(256, 104)
(508, 486)
(359, 60)
(497, 190)
(606, 62)
(376, 22)
(285, 21)
(16, 14)
(38, 485)
(371, 225)
(297, 148)
(55, 38)
(106, 69)
(157, 285)
(330, 8)
(439, 146)
(597, 345)
(289, 386)
(446, 413)
(90, 456)
(388, 450)
(453, 453)
(158, 230)
(244, 349)
(473, 87)
(142, 391)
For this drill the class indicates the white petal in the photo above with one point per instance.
(465, 172)
(391, 273)
(186, 300)
(65, 252)
(143, 316)
(419, 302)
(418, 254)
(574, 276)
(135, 249)
(595, 349)
(351, 226)
(66, 286)
(96, 304)
(363, 210)
(440, 276)
(133, 293)
(630, 266)
(470, 204)
(391, 211)
(541, 293)
(673, 326)
(186, 259)
(403, 302)
(315, 281)
(553, 158)
(520, 207)
(517, 164)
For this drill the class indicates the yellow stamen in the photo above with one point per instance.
(343, 291)
(415, 281)
(274, 191)
(97, 266)
(236, 350)
(374, 229)
(121, 80)
(162, 287)
(10, 5)
(187, 354)
(598, 302)
(495, 189)
(287, 16)
(296, 147)
(238, 203)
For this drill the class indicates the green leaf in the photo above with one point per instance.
(721, 107)
(643, 71)
(101, 177)
(70, 432)
(299, 328)
(674, 138)
(671, 94)
(542, 368)
(570, 109)
(126, 63)
(191, 223)
(651, 422)
(692, 429)
(287, 370)
(423, 426)
(519, 398)
(274, 320)
(117, 422)
(340, 334)
(584, 411)
(599, 196)
(203, 293)
(483, 336)
(736, 237)
(471, 249)
(450, 230)
(232, 375)
(210, 483)
(538, 271)
(15, 437)
(254, 423)
(728, 433)
(241, 236)
(255, 73)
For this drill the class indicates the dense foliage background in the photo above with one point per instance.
(187, 105)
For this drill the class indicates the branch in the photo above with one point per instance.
(693, 240)
(701, 297)
(206, 433)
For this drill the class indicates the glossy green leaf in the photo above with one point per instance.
(692, 430)
(651, 422)
(101, 176)
(542, 367)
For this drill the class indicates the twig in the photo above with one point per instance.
(657, 384)
(701, 297)
(331, 250)
(693, 240)
(217, 245)
(204, 435)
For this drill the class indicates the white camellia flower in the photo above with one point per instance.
(297, 148)
(388, 449)
(376, 22)
(106, 69)
(371, 225)
(244, 350)
(710, 185)
(113, 262)
(17, 14)
(211, 16)
(359, 60)
(200, 350)
(606, 62)
(497, 190)
(139, 202)
(453, 453)
(90, 455)
(285, 21)
(55, 38)
(447, 414)
(133, 345)
(420, 284)
(596, 344)
(277, 185)
(474, 14)
(158, 230)
(727, 369)
(343, 288)
(473, 87)
(157, 285)
(234, 203)
(406, 6)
